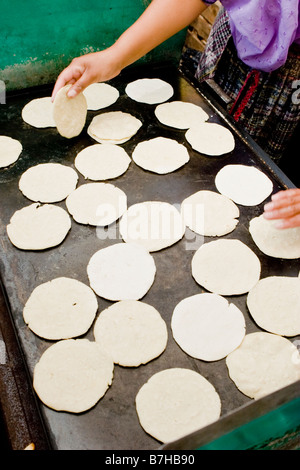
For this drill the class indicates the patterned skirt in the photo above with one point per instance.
(265, 104)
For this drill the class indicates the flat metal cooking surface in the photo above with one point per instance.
(113, 422)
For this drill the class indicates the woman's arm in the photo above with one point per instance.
(161, 20)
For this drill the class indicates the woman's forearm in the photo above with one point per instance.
(160, 21)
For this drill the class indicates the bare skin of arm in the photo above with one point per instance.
(284, 207)
(160, 21)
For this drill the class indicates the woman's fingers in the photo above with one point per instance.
(70, 75)
(285, 206)
(65, 77)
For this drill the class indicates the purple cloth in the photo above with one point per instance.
(263, 30)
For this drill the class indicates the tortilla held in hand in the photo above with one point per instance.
(69, 114)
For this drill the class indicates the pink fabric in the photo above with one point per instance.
(263, 30)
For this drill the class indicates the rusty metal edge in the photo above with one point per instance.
(21, 416)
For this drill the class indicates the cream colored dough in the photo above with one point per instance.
(160, 155)
(102, 161)
(207, 326)
(69, 114)
(73, 375)
(60, 309)
(10, 150)
(149, 90)
(153, 224)
(132, 332)
(39, 113)
(226, 267)
(210, 214)
(210, 139)
(48, 182)
(122, 271)
(37, 227)
(97, 204)
(245, 185)
(274, 304)
(100, 95)
(263, 363)
(114, 127)
(275, 242)
(180, 114)
(175, 402)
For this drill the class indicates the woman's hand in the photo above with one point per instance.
(87, 69)
(284, 206)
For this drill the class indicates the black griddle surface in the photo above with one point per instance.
(113, 422)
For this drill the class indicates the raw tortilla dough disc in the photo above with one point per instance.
(175, 402)
(207, 326)
(226, 267)
(160, 155)
(102, 161)
(98, 204)
(72, 375)
(10, 150)
(123, 271)
(149, 90)
(274, 304)
(209, 213)
(60, 309)
(263, 363)
(69, 114)
(39, 113)
(180, 114)
(245, 185)
(132, 332)
(114, 127)
(100, 95)
(48, 182)
(275, 242)
(210, 139)
(37, 227)
(153, 224)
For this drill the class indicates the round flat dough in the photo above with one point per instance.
(226, 267)
(37, 227)
(180, 114)
(132, 332)
(72, 375)
(100, 95)
(102, 161)
(149, 90)
(39, 113)
(263, 363)
(97, 204)
(210, 139)
(48, 182)
(278, 243)
(114, 127)
(207, 326)
(245, 185)
(176, 402)
(274, 304)
(123, 271)
(153, 224)
(209, 213)
(60, 309)
(69, 114)
(10, 150)
(160, 155)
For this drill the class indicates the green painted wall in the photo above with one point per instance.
(39, 38)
